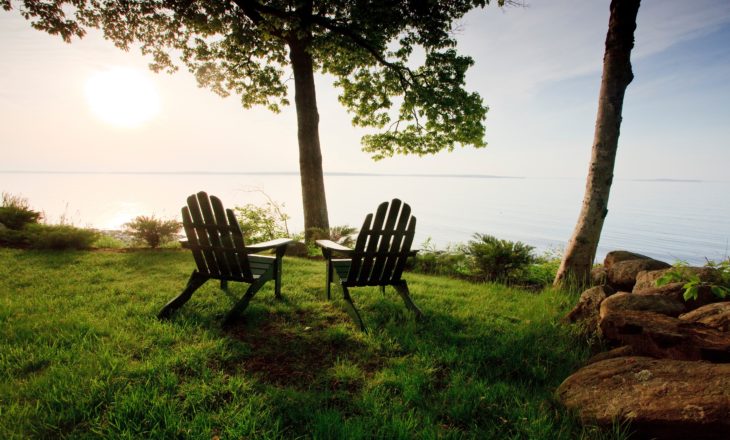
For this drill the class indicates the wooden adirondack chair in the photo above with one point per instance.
(381, 250)
(214, 236)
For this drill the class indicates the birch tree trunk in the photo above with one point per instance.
(580, 253)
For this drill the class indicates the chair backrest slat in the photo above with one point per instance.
(224, 232)
(214, 234)
(238, 245)
(215, 238)
(395, 250)
(193, 242)
(202, 234)
(368, 253)
(386, 240)
(400, 263)
(383, 245)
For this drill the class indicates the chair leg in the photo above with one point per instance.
(194, 282)
(224, 284)
(382, 290)
(352, 309)
(241, 305)
(402, 290)
(329, 279)
(280, 251)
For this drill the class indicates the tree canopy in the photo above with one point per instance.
(241, 47)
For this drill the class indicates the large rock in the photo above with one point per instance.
(599, 276)
(625, 350)
(646, 280)
(622, 274)
(663, 399)
(661, 336)
(586, 311)
(614, 257)
(716, 315)
(623, 301)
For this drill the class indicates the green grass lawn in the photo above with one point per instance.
(82, 355)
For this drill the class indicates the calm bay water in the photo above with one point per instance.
(668, 220)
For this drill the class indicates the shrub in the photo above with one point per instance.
(151, 230)
(15, 212)
(262, 223)
(59, 237)
(499, 260)
(452, 261)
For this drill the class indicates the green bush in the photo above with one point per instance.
(499, 260)
(152, 231)
(262, 223)
(59, 237)
(15, 212)
(452, 261)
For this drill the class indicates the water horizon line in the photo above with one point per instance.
(346, 174)
(262, 173)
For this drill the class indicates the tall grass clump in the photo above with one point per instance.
(15, 212)
(21, 228)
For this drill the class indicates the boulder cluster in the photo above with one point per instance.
(668, 374)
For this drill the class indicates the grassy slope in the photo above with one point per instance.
(82, 355)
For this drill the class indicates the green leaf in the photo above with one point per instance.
(719, 291)
(691, 293)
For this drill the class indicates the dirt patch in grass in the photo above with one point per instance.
(299, 349)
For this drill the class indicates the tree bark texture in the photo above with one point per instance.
(580, 253)
(310, 155)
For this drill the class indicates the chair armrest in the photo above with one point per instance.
(183, 244)
(412, 253)
(329, 246)
(271, 244)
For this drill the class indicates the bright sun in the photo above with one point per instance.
(122, 96)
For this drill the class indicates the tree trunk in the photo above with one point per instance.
(576, 266)
(310, 155)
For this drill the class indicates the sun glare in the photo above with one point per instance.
(123, 97)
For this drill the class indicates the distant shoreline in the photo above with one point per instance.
(333, 173)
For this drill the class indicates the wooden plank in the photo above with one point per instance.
(360, 244)
(202, 233)
(214, 234)
(373, 237)
(397, 248)
(193, 240)
(407, 241)
(385, 244)
(224, 232)
(238, 244)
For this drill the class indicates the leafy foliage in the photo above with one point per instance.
(453, 261)
(692, 282)
(152, 231)
(15, 212)
(243, 47)
(262, 223)
(499, 260)
(343, 234)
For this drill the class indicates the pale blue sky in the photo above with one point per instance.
(538, 68)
